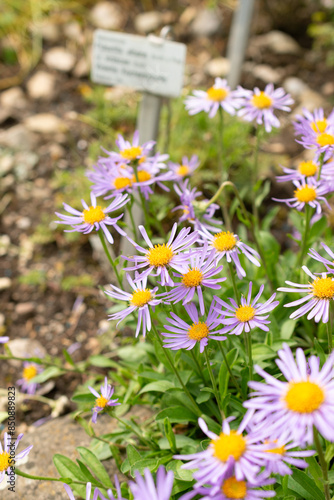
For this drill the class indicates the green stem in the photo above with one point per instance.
(142, 199)
(55, 479)
(250, 356)
(220, 143)
(141, 438)
(308, 213)
(106, 251)
(40, 362)
(200, 371)
(173, 367)
(235, 288)
(133, 225)
(255, 174)
(213, 383)
(330, 331)
(321, 162)
(323, 463)
(234, 380)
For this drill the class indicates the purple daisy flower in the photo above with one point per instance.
(103, 399)
(184, 169)
(6, 454)
(4, 340)
(247, 315)
(105, 179)
(94, 217)
(131, 151)
(97, 492)
(310, 192)
(201, 269)
(140, 300)
(316, 131)
(319, 295)
(231, 488)
(232, 452)
(286, 450)
(30, 370)
(304, 401)
(304, 170)
(183, 336)
(144, 487)
(149, 174)
(227, 244)
(219, 95)
(160, 258)
(195, 212)
(329, 264)
(259, 105)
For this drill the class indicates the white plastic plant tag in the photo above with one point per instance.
(149, 64)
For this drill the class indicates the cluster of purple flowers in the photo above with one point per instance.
(312, 179)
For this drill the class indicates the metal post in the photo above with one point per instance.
(238, 40)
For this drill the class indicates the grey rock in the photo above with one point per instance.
(44, 123)
(4, 245)
(60, 59)
(72, 30)
(220, 66)
(148, 21)
(4, 114)
(108, 16)
(277, 42)
(207, 22)
(267, 74)
(18, 138)
(6, 164)
(5, 283)
(63, 435)
(24, 164)
(23, 348)
(41, 85)
(50, 31)
(23, 223)
(82, 68)
(295, 86)
(13, 98)
(25, 308)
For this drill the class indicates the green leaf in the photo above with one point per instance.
(88, 474)
(288, 328)
(95, 466)
(224, 375)
(101, 361)
(85, 425)
(68, 357)
(84, 398)
(69, 469)
(117, 456)
(182, 474)
(302, 484)
(177, 414)
(132, 454)
(140, 466)
(49, 372)
(170, 434)
(159, 386)
(181, 441)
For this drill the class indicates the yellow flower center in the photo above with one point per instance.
(142, 159)
(142, 176)
(183, 170)
(216, 94)
(141, 297)
(29, 372)
(325, 139)
(261, 100)
(305, 194)
(307, 168)
(4, 461)
(304, 397)
(245, 313)
(159, 255)
(122, 182)
(131, 153)
(281, 449)
(93, 214)
(323, 288)
(228, 445)
(192, 278)
(224, 241)
(198, 331)
(319, 125)
(101, 402)
(232, 488)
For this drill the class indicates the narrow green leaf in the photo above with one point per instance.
(49, 372)
(67, 468)
(302, 484)
(170, 434)
(159, 386)
(177, 414)
(132, 454)
(94, 464)
(68, 357)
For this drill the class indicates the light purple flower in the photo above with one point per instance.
(319, 295)
(230, 453)
(227, 244)
(97, 492)
(159, 258)
(202, 268)
(310, 193)
(317, 132)
(231, 488)
(94, 217)
(304, 170)
(286, 450)
(184, 169)
(219, 95)
(195, 212)
(140, 300)
(259, 106)
(295, 406)
(4, 340)
(7, 453)
(247, 315)
(103, 399)
(129, 152)
(181, 335)
(145, 489)
(30, 370)
(329, 264)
